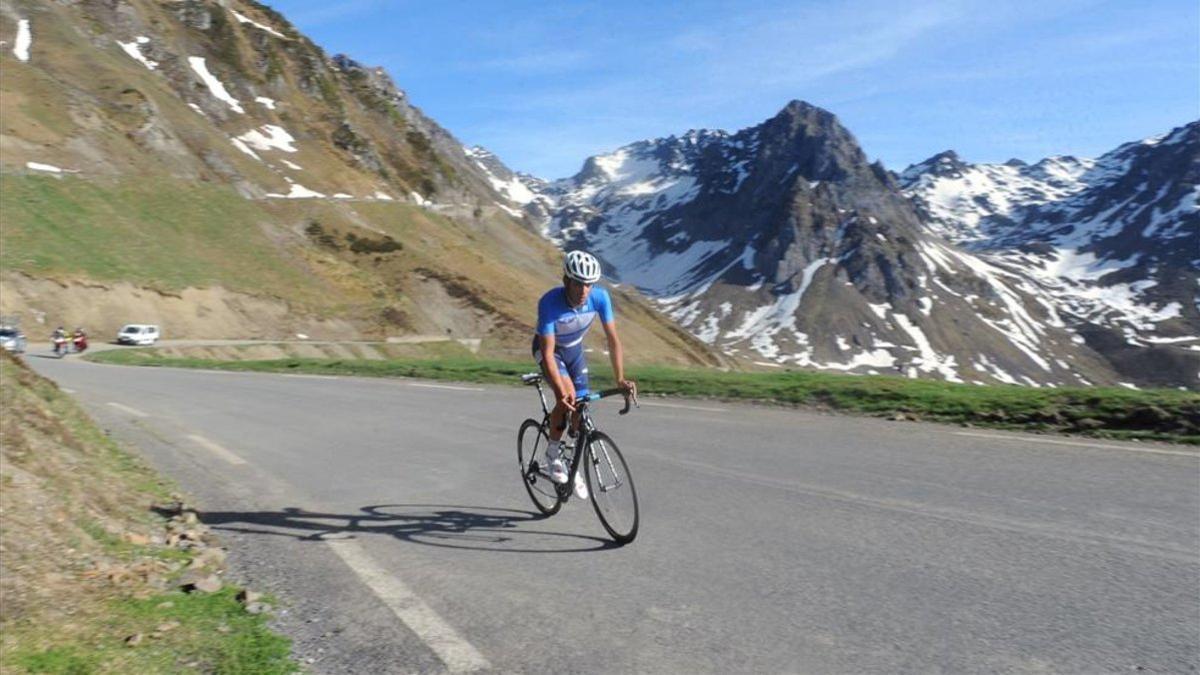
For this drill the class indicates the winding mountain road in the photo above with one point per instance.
(388, 517)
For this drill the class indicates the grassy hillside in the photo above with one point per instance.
(158, 195)
(154, 232)
(388, 267)
(87, 571)
(1164, 414)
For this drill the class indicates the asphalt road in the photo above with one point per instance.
(389, 518)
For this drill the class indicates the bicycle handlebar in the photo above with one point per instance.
(629, 396)
(536, 379)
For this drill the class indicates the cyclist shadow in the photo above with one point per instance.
(441, 525)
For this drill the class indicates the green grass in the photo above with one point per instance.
(1168, 415)
(65, 660)
(120, 549)
(158, 233)
(215, 634)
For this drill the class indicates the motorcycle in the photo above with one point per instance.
(61, 346)
(81, 343)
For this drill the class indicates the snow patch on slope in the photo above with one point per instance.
(298, 191)
(242, 18)
(24, 41)
(269, 137)
(929, 360)
(134, 50)
(241, 145)
(214, 85)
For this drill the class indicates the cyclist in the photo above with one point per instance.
(80, 339)
(59, 338)
(565, 314)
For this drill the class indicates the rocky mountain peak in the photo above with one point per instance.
(945, 163)
(377, 78)
(781, 242)
(803, 110)
(820, 147)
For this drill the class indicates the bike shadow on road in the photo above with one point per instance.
(442, 525)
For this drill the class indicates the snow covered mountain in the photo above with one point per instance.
(1113, 242)
(782, 244)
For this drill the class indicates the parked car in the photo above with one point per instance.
(138, 334)
(12, 339)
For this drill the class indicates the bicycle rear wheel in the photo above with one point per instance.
(531, 445)
(611, 485)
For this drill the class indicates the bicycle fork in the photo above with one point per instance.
(607, 459)
(598, 453)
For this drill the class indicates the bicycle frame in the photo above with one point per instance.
(583, 434)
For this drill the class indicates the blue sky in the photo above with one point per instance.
(546, 84)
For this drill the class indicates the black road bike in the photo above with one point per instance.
(608, 478)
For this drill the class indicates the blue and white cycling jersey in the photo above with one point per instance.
(569, 325)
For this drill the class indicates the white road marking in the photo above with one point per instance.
(132, 411)
(1079, 444)
(217, 450)
(685, 407)
(458, 654)
(445, 386)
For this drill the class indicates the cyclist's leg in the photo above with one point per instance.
(558, 413)
(575, 362)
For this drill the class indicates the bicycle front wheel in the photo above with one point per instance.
(531, 445)
(611, 484)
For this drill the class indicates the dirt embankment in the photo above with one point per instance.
(101, 568)
(199, 313)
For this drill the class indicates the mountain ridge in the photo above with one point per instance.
(653, 211)
(1116, 240)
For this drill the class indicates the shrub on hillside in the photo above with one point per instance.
(366, 245)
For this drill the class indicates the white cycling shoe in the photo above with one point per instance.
(581, 488)
(556, 468)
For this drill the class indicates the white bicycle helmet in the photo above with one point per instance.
(582, 267)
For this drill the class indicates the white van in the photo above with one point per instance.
(138, 334)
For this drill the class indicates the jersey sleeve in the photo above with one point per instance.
(546, 318)
(604, 305)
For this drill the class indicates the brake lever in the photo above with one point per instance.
(629, 395)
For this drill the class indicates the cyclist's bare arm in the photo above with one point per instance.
(617, 356)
